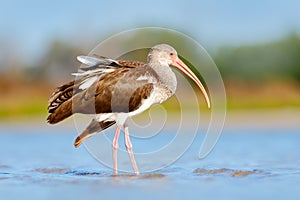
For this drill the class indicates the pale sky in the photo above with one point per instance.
(32, 24)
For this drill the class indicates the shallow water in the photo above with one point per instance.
(41, 163)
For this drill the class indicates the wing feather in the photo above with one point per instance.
(94, 88)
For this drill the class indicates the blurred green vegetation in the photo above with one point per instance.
(261, 62)
(265, 75)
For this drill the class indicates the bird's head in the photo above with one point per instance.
(164, 54)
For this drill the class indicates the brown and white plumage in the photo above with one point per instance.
(115, 90)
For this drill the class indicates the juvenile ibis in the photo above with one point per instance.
(117, 90)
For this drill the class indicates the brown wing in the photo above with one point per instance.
(68, 98)
(117, 91)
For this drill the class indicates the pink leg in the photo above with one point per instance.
(129, 150)
(115, 147)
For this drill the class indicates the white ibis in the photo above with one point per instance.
(118, 89)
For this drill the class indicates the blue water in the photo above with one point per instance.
(41, 163)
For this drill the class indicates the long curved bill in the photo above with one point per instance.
(186, 70)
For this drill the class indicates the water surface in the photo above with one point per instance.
(41, 163)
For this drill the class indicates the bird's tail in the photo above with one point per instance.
(93, 128)
(60, 114)
(60, 103)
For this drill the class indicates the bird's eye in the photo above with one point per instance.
(171, 54)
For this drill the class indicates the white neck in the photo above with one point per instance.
(166, 75)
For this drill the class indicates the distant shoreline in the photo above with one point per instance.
(288, 118)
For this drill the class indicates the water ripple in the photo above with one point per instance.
(226, 171)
